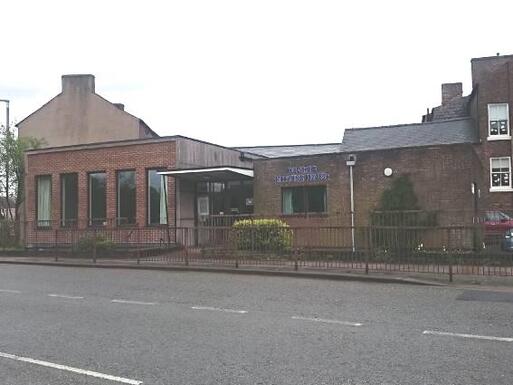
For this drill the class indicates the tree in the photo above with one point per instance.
(400, 196)
(12, 164)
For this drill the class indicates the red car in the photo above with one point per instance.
(496, 222)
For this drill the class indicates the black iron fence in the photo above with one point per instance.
(432, 249)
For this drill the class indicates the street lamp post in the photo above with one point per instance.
(351, 162)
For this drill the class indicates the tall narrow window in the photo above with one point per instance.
(498, 121)
(44, 200)
(97, 198)
(157, 198)
(500, 174)
(69, 199)
(126, 197)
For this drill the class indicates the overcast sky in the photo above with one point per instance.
(250, 72)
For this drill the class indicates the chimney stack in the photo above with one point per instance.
(451, 91)
(120, 106)
(78, 83)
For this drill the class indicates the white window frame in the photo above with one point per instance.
(500, 188)
(163, 210)
(498, 137)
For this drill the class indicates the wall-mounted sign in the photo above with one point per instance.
(302, 174)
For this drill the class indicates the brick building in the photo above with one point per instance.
(458, 159)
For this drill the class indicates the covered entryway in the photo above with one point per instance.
(212, 196)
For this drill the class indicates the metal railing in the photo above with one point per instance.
(416, 249)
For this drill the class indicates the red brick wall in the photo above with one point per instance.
(493, 78)
(441, 176)
(267, 193)
(138, 157)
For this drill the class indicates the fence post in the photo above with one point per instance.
(450, 261)
(138, 245)
(55, 244)
(94, 246)
(296, 256)
(186, 250)
(25, 234)
(369, 249)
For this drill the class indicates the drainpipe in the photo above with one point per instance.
(350, 162)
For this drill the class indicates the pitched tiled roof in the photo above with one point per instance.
(292, 150)
(439, 132)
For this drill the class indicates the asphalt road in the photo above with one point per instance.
(200, 328)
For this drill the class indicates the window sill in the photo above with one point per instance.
(305, 215)
(498, 137)
(501, 189)
(44, 228)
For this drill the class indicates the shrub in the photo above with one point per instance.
(86, 244)
(400, 195)
(262, 235)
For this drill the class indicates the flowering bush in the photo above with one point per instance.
(262, 235)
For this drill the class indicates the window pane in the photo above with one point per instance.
(503, 127)
(69, 199)
(293, 200)
(500, 172)
(298, 200)
(498, 118)
(97, 198)
(157, 198)
(505, 179)
(494, 127)
(286, 197)
(498, 111)
(126, 197)
(316, 199)
(44, 200)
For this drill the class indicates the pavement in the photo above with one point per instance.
(228, 266)
(70, 325)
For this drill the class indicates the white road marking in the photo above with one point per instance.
(9, 291)
(491, 338)
(64, 296)
(328, 321)
(132, 302)
(71, 369)
(219, 309)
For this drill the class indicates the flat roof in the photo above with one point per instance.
(211, 174)
(292, 150)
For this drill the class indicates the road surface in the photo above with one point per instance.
(61, 325)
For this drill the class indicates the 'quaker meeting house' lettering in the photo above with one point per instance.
(302, 174)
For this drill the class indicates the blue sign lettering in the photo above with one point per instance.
(302, 174)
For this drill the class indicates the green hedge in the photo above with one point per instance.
(262, 235)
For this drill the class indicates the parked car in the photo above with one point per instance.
(507, 241)
(497, 222)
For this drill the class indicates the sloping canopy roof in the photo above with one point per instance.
(441, 132)
(211, 174)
